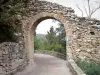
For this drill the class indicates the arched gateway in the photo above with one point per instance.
(46, 10)
(83, 36)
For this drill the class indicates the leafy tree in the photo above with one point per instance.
(56, 39)
(7, 33)
(51, 36)
(10, 13)
(42, 42)
(10, 9)
(61, 35)
(52, 40)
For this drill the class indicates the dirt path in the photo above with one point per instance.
(48, 65)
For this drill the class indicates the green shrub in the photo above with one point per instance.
(36, 46)
(7, 33)
(89, 67)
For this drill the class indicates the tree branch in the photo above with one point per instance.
(93, 11)
(89, 7)
(86, 11)
(80, 9)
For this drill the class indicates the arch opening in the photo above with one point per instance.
(58, 42)
(33, 23)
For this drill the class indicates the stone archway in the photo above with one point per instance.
(83, 33)
(77, 29)
(42, 10)
(36, 20)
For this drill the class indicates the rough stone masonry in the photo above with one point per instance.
(83, 36)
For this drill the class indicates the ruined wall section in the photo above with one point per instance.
(12, 57)
(44, 6)
(83, 33)
(86, 39)
(39, 7)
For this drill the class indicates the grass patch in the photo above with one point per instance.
(89, 67)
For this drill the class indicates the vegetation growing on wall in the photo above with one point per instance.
(6, 33)
(11, 12)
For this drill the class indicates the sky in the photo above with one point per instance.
(44, 26)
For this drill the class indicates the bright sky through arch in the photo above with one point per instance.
(45, 25)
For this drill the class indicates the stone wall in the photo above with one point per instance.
(39, 11)
(83, 33)
(83, 36)
(44, 6)
(12, 57)
(86, 39)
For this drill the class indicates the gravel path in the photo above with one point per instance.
(48, 65)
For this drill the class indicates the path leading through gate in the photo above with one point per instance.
(48, 65)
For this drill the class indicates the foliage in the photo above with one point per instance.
(6, 33)
(61, 35)
(51, 36)
(42, 41)
(54, 40)
(36, 43)
(89, 67)
(10, 9)
(10, 14)
(53, 47)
